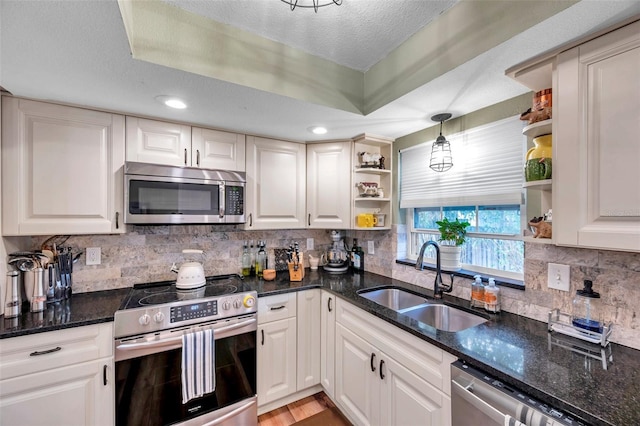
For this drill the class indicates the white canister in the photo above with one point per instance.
(380, 220)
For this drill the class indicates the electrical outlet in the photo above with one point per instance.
(93, 256)
(371, 247)
(310, 244)
(558, 276)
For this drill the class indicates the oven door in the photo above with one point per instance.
(149, 385)
(167, 200)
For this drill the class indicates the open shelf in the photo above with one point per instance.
(543, 185)
(538, 129)
(371, 171)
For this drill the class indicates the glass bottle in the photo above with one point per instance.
(261, 259)
(492, 297)
(246, 261)
(477, 292)
(586, 309)
(252, 262)
(352, 255)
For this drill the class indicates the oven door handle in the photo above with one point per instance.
(219, 333)
(234, 413)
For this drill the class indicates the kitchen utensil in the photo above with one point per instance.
(12, 300)
(336, 259)
(50, 283)
(38, 296)
(190, 274)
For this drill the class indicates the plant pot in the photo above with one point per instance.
(450, 258)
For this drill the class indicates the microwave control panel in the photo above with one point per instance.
(234, 196)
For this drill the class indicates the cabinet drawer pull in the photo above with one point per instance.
(198, 157)
(277, 308)
(117, 217)
(329, 304)
(381, 365)
(104, 375)
(185, 157)
(49, 351)
(373, 358)
(250, 220)
(262, 343)
(309, 220)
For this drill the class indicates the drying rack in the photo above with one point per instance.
(560, 322)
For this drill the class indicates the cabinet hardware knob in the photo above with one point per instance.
(373, 358)
(48, 351)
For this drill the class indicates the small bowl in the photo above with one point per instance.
(269, 274)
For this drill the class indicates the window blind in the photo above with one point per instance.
(487, 169)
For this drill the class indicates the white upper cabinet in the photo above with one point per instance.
(329, 185)
(175, 144)
(597, 143)
(276, 180)
(62, 169)
(214, 149)
(158, 142)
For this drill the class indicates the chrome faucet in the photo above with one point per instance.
(438, 285)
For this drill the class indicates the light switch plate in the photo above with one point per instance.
(371, 247)
(558, 276)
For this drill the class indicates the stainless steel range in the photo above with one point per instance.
(149, 331)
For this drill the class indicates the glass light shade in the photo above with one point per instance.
(441, 159)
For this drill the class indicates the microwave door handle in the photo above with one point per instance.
(465, 393)
(176, 341)
(223, 200)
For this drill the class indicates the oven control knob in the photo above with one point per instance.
(158, 317)
(226, 305)
(145, 319)
(237, 303)
(249, 301)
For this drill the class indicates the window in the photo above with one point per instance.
(484, 187)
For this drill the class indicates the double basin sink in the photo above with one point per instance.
(427, 311)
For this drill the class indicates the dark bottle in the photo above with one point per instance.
(352, 255)
(357, 257)
(360, 256)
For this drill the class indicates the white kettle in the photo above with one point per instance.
(190, 274)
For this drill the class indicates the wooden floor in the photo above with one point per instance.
(296, 411)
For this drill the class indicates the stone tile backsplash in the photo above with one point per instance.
(145, 254)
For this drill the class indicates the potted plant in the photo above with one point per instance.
(452, 236)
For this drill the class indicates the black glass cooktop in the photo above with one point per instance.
(163, 292)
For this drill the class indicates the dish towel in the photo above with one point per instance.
(198, 364)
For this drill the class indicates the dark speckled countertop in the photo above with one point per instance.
(517, 350)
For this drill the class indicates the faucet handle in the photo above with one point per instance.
(449, 288)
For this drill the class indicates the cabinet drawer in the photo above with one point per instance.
(45, 351)
(273, 308)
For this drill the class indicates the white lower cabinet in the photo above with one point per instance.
(384, 376)
(308, 325)
(63, 377)
(277, 349)
(327, 342)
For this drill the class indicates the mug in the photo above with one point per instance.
(366, 220)
(379, 219)
(537, 169)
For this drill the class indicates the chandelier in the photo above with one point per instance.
(441, 159)
(315, 4)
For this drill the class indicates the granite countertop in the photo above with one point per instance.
(517, 350)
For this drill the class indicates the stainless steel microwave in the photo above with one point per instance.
(156, 194)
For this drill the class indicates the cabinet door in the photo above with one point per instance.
(598, 149)
(62, 169)
(152, 141)
(276, 181)
(214, 149)
(357, 382)
(327, 342)
(308, 338)
(73, 395)
(329, 185)
(406, 399)
(276, 360)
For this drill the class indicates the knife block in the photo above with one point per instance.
(296, 275)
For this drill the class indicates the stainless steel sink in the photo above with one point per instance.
(394, 298)
(445, 318)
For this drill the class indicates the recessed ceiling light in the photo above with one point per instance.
(317, 130)
(171, 102)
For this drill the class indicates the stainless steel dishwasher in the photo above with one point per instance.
(479, 399)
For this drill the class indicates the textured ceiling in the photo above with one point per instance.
(376, 27)
(77, 52)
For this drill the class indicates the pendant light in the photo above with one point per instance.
(315, 4)
(441, 159)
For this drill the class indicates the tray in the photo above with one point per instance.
(560, 322)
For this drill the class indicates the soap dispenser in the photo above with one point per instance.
(586, 309)
(477, 292)
(492, 297)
